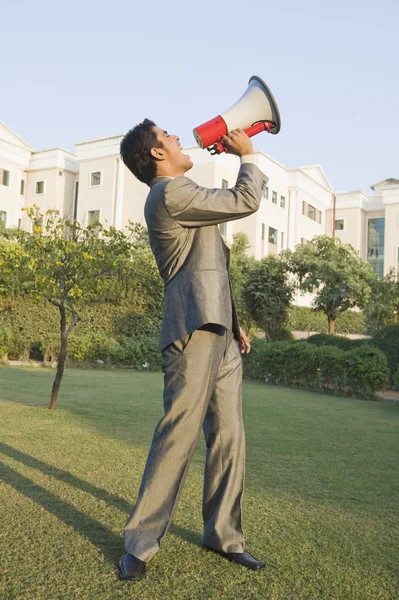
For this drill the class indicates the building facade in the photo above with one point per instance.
(298, 203)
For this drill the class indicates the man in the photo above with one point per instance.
(200, 343)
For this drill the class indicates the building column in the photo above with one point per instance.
(120, 174)
(291, 219)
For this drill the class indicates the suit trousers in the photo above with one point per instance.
(202, 388)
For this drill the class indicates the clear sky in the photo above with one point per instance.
(79, 70)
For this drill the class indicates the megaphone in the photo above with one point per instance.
(255, 111)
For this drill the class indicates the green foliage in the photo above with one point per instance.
(302, 318)
(5, 343)
(240, 268)
(333, 271)
(267, 295)
(383, 306)
(396, 380)
(387, 340)
(140, 353)
(358, 372)
(328, 339)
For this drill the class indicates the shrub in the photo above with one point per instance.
(326, 339)
(265, 360)
(5, 341)
(367, 370)
(387, 340)
(140, 353)
(357, 372)
(396, 382)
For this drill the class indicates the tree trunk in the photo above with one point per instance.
(62, 355)
(331, 324)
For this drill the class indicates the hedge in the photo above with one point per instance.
(302, 318)
(358, 372)
(387, 340)
(326, 339)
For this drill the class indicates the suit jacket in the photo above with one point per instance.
(192, 258)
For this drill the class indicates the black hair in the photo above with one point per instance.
(136, 150)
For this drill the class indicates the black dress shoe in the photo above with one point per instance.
(242, 558)
(131, 568)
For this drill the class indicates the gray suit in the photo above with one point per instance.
(201, 362)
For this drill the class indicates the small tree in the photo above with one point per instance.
(268, 294)
(382, 307)
(68, 265)
(240, 268)
(334, 272)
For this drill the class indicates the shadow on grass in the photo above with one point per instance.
(106, 541)
(65, 476)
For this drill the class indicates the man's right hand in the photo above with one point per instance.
(237, 142)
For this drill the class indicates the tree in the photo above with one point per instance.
(334, 272)
(382, 307)
(240, 268)
(268, 294)
(68, 265)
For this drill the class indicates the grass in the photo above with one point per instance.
(321, 501)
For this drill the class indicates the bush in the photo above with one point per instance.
(140, 353)
(5, 342)
(358, 372)
(326, 339)
(387, 340)
(396, 382)
(265, 359)
(302, 318)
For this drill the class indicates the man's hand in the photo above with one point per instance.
(237, 142)
(244, 344)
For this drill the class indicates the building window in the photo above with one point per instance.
(95, 178)
(266, 193)
(272, 236)
(223, 228)
(225, 184)
(375, 244)
(19, 223)
(274, 197)
(4, 177)
(339, 225)
(3, 219)
(311, 212)
(282, 240)
(39, 188)
(93, 216)
(306, 242)
(263, 231)
(22, 189)
(282, 201)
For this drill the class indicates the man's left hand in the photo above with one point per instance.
(244, 344)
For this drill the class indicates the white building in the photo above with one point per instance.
(297, 204)
(45, 177)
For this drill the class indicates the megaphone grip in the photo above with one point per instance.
(250, 131)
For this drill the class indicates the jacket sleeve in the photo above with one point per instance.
(194, 206)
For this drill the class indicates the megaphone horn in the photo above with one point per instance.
(255, 111)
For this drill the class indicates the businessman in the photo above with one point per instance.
(201, 344)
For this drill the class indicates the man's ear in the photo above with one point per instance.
(158, 153)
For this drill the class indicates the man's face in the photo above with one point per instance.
(174, 154)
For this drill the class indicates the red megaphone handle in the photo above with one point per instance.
(251, 131)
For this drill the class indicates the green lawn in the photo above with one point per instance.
(321, 502)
